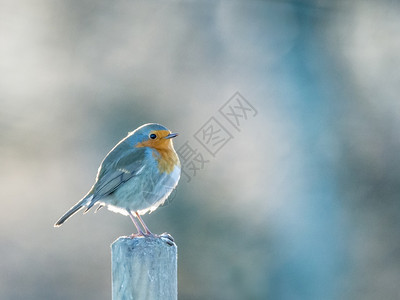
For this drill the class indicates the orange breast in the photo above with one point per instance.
(167, 159)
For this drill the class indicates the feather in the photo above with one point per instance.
(113, 172)
(74, 209)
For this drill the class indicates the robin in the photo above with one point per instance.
(135, 177)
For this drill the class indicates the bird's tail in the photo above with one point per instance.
(73, 210)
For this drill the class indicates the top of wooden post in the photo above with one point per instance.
(144, 268)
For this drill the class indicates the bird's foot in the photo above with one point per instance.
(136, 235)
(149, 234)
(166, 237)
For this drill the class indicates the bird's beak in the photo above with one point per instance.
(171, 135)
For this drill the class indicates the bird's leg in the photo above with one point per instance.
(147, 231)
(140, 232)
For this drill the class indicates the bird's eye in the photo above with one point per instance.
(153, 136)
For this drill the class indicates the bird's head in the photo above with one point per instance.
(152, 135)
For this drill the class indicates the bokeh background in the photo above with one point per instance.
(302, 203)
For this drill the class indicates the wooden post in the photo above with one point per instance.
(144, 268)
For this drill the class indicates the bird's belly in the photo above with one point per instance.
(144, 192)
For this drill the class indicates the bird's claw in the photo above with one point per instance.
(166, 237)
(136, 235)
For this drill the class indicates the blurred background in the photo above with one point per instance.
(302, 202)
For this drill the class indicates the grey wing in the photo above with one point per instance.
(116, 170)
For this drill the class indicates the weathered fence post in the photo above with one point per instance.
(144, 268)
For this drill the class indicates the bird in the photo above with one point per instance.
(135, 177)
